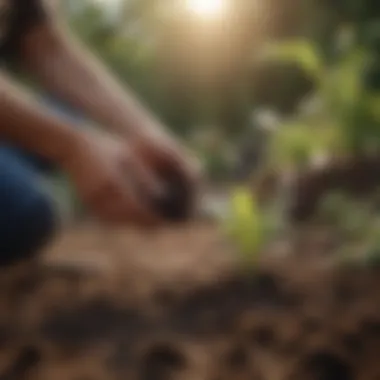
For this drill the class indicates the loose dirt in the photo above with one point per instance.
(104, 305)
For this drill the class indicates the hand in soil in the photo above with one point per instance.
(177, 172)
(112, 180)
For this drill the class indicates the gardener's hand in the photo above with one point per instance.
(111, 180)
(170, 162)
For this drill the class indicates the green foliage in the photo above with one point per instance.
(348, 216)
(333, 208)
(298, 142)
(245, 225)
(300, 51)
(250, 225)
(343, 119)
(356, 223)
(347, 120)
(216, 166)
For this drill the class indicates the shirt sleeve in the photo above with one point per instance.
(26, 14)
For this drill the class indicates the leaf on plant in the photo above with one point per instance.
(374, 106)
(300, 51)
(244, 223)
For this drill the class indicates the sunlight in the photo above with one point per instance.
(205, 8)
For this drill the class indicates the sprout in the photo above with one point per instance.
(244, 224)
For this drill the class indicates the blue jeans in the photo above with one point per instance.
(28, 218)
(27, 214)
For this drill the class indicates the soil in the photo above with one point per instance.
(174, 304)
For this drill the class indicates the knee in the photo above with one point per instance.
(30, 225)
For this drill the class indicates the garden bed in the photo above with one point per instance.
(120, 305)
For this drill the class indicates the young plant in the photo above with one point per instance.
(249, 225)
(347, 121)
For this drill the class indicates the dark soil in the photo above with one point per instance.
(120, 305)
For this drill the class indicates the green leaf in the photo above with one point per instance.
(244, 223)
(301, 52)
(373, 103)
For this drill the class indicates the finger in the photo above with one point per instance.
(139, 208)
(105, 205)
(144, 180)
(113, 212)
(183, 162)
(170, 154)
(146, 188)
(118, 202)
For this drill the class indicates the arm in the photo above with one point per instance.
(104, 170)
(25, 124)
(69, 70)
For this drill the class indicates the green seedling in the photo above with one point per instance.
(245, 224)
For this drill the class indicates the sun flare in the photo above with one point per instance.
(205, 8)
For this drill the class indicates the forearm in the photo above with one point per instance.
(70, 71)
(27, 125)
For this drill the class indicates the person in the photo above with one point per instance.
(115, 172)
